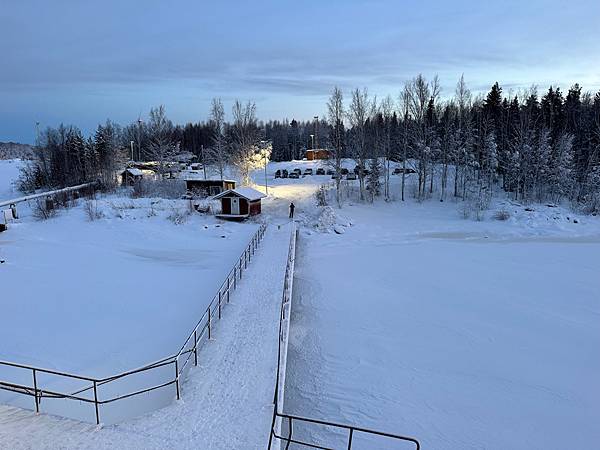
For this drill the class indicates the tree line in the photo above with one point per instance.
(536, 148)
(543, 148)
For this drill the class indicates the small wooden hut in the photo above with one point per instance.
(240, 203)
(198, 186)
(130, 176)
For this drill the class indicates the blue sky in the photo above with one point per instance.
(80, 62)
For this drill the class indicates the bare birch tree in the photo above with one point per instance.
(217, 153)
(358, 115)
(335, 108)
(245, 134)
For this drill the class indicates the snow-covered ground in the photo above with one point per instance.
(463, 334)
(97, 298)
(131, 289)
(407, 318)
(9, 172)
(227, 401)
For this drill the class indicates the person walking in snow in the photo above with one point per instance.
(292, 207)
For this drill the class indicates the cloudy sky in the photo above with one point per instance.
(80, 62)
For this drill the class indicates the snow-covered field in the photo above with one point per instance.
(407, 318)
(97, 298)
(463, 334)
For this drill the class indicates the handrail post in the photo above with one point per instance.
(350, 438)
(290, 432)
(177, 377)
(235, 277)
(96, 403)
(209, 322)
(219, 304)
(35, 392)
(195, 349)
(228, 287)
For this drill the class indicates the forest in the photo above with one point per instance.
(535, 147)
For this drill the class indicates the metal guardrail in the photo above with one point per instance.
(179, 361)
(276, 436)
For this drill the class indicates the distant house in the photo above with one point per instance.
(318, 153)
(240, 203)
(198, 186)
(130, 176)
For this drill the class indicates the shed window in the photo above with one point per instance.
(215, 190)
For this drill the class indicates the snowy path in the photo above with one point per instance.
(226, 401)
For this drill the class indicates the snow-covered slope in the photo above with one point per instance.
(9, 172)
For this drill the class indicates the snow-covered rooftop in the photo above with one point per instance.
(135, 172)
(248, 193)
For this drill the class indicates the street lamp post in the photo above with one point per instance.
(131, 151)
(312, 141)
(266, 184)
(265, 156)
(139, 131)
(317, 131)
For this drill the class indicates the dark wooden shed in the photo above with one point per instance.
(130, 176)
(200, 187)
(240, 203)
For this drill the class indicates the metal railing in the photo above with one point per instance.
(276, 435)
(352, 430)
(55, 192)
(188, 352)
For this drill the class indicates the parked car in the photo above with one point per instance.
(278, 173)
(356, 169)
(344, 171)
(351, 176)
(399, 170)
(284, 173)
(330, 172)
(335, 176)
(294, 175)
(298, 171)
(366, 172)
(308, 171)
(320, 171)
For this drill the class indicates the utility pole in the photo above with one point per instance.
(312, 141)
(37, 134)
(131, 151)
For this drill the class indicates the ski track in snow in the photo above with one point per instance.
(226, 401)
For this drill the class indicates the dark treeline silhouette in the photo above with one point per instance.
(537, 147)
